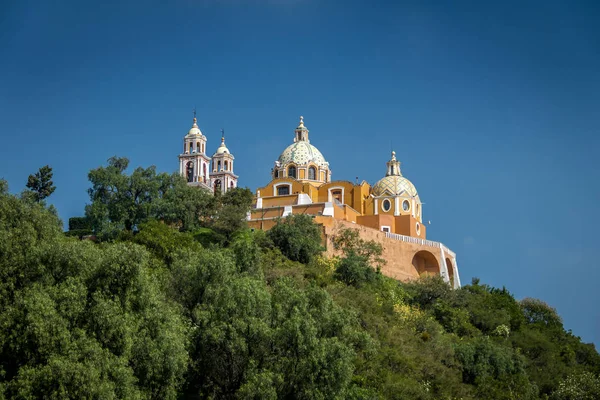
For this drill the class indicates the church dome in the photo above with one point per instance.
(302, 153)
(394, 185)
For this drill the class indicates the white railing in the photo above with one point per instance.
(422, 242)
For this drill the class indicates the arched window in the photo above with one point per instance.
(204, 171)
(312, 173)
(292, 171)
(218, 165)
(225, 165)
(191, 147)
(217, 185)
(231, 184)
(190, 172)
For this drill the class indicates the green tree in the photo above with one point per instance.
(298, 237)
(40, 184)
(80, 320)
(122, 202)
(582, 386)
(231, 216)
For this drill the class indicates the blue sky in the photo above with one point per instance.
(493, 109)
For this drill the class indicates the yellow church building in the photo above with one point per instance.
(389, 212)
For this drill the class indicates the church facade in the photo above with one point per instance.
(390, 212)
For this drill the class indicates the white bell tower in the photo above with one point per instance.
(194, 164)
(222, 176)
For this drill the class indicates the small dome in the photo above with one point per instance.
(302, 153)
(195, 130)
(394, 185)
(222, 149)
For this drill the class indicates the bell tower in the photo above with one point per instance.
(222, 177)
(193, 161)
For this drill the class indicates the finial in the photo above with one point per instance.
(195, 120)
(301, 120)
(393, 155)
(222, 135)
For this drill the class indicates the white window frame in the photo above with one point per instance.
(330, 194)
(276, 188)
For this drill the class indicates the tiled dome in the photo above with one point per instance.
(302, 153)
(394, 185)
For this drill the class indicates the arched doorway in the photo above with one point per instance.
(450, 267)
(426, 263)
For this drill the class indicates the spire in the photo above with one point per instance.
(301, 133)
(393, 166)
(195, 124)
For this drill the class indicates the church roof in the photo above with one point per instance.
(394, 185)
(302, 153)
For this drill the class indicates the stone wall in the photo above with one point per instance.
(401, 262)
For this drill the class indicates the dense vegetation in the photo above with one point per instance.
(176, 298)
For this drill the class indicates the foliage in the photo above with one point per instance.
(120, 201)
(231, 216)
(81, 320)
(40, 184)
(189, 303)
(79, 227)
(297, 237)
(582, 386)
(361, 261)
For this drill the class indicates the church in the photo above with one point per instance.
(390, 212)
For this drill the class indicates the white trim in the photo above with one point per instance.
(376, 206)
(259, 202)
(328, 209)
(383, 205)
(303, 198)
(287, 210)
(408, 202)
(330, 196)
(456, 277)
(444, 267)
(389, 228)
(276, 186)
(397, 205)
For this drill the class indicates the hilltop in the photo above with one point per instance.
(177, 298)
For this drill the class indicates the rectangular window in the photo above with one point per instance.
(283, 190)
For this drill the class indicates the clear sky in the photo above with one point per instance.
(492, 107)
